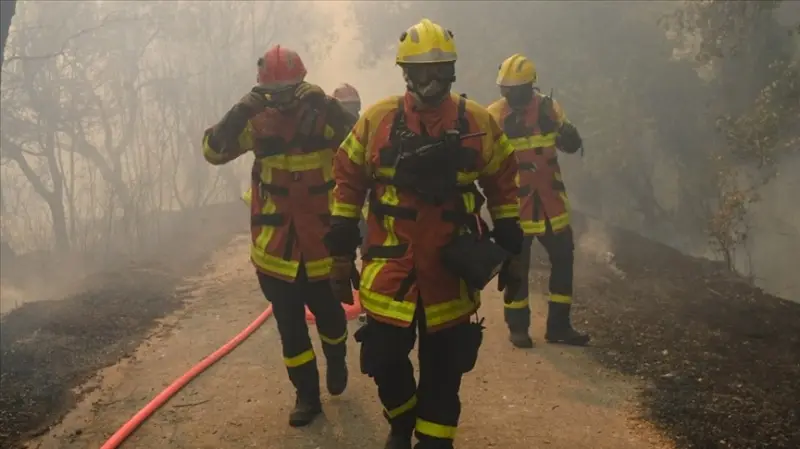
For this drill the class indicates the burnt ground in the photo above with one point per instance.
(49, 347)
(721, 358)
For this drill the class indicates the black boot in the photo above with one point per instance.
(305, 410)
(398, 441)
(559, 326)
(336, 376)
(520, 339)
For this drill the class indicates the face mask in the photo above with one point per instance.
(429, 83)
(283, 100)
(352, 108)
(518, 96)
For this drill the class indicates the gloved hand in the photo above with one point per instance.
(508, 234)
(225, 133)
(253, 103)
(547, 124)
(568, 139)
(512, 274)
(307, 91)
(343, 277)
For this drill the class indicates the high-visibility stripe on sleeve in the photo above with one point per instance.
(502, 150)
(354, 149)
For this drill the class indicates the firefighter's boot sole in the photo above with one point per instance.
(336, 377)
(304, 412)
(520, 340)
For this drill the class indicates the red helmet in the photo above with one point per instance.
(280, 68)
(346, 94)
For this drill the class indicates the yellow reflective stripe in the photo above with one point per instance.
(408, 405)
(341, 209)
(258, 249)
(387, 306)
(355, 151)
(517, 304)
(557, 223)
(446, 312)
(505, 211)
(501, 151)
(531, 142)
(245, 140)
(561, 299)
(317, 268)
(333, 341)
(365, 209)
(247, 196)
(209, 153)
(565, 199)
(532, 227)
(403, 311)
(436, 430)
(329, 132)
(296, 162)
(469, 201)
(383, 305)
(300, 359)
(277, 265)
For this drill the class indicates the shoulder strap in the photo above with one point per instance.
(463, 123)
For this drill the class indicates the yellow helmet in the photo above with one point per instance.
(516, 70)
(425, 43)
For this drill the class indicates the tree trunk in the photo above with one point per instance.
(7, 11)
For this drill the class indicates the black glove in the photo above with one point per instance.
(512, 274)
(547, 124)
(508, 234)
(568, 139)
(344, 278)
(343, 237)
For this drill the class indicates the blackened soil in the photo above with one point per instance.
(721, 358)
(47, 348)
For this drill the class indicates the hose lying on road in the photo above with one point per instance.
(127, 429)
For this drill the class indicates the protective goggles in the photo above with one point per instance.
(426, 73)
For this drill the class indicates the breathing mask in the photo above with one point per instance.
(430, 83)
(518, 97)
(352, 107)
(284, 99)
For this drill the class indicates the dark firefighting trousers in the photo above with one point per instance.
(560, 250)
(288, 306)
(432, 407)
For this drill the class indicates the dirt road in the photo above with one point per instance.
(547, 397)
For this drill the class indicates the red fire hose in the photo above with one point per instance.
(351, 312)
(127, 429)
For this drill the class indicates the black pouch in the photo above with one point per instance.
(367, 361)
(473, 258)
(469, 345)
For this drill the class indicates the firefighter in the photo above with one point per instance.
(351, 100)
(537, 127)
(428, 253)
(348, 96)
(293, 129)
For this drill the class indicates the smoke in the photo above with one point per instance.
(343, 63)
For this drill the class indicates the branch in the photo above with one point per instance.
(64, 45)
(33, 178)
